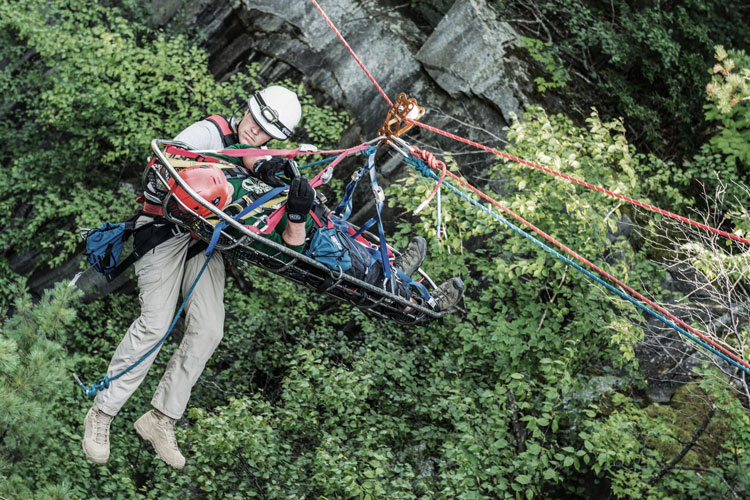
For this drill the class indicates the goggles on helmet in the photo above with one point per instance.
(270, 115)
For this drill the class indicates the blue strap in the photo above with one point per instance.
(103, 383)
(377, 192)
(413, 284)
(367, 225)
(248, 209)
(344, 210)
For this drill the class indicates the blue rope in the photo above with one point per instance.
(427, 172)
(370, 150)
(302, 167)
(103, 383)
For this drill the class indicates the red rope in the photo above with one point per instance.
(597, 269)
(564, 176)
(351, 51)
(582, 183)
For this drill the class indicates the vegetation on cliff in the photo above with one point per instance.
(532, 391)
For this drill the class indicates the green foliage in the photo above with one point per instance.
(34, 367)
(729, 105)
(531, 392)
(642, 61)
(544, 53)
(307, 398)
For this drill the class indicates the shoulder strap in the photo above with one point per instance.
(228, 134)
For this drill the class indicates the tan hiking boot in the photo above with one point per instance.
(96, 435)
(158, 429)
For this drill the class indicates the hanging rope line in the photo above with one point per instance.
(701, 339)
(419, 162)
(570, 178)
(434, 164)
(351, 51)
(573, 253)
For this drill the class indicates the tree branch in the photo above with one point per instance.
(517, 429)
(687, 447)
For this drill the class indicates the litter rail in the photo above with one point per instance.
(284, 262)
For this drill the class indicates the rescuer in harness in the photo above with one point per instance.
(164, 272)
(170, 269)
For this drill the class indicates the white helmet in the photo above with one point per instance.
(276, 110)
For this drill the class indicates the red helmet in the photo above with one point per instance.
(209, 182)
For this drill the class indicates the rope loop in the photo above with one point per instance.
(100, 385)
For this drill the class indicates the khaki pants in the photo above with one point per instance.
(163, 278)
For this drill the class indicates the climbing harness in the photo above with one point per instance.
(224, 126)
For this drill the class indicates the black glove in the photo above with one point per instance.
(301, 196)
(266, 170)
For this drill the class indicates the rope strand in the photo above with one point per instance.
(546, 170)
(351, 51)
(697, 336)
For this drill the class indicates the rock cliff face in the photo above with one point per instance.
(464, 67)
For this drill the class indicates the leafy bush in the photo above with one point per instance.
(729, 107)
(641, 61)
(84, 93)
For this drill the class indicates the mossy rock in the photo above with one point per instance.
(687, 410)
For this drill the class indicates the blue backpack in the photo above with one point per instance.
(335, 247)
(104, 244)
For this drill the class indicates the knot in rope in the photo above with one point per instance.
(429, 158)
(420, 165)
(100, 385)
(431, 163)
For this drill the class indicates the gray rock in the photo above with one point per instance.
(472, 80)
(467, 55)
(666, 360)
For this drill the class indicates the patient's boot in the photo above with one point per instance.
(412, 257)
(158, 429)
(447, 295)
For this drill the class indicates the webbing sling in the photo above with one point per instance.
(257, 203)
